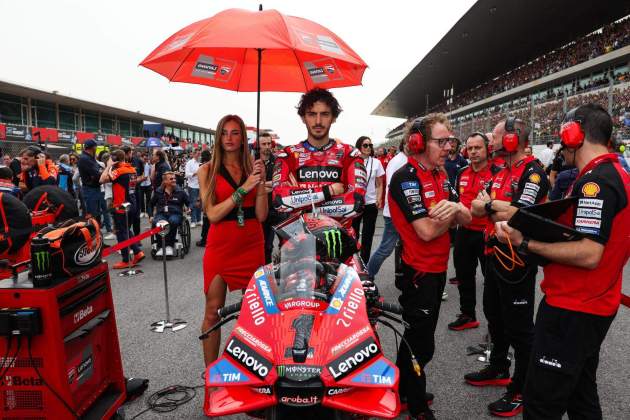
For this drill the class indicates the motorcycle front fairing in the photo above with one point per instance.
(291, 346)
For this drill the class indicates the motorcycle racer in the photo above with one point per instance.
(320, 171)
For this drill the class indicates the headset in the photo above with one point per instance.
(571, 132)
(416, 143)
(509, 142)
(486, 140)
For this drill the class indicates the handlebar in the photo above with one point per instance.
(230, 309)
(389, 307)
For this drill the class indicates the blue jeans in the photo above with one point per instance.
(94, 201)
(193, 195)
(385, 249)
(123, 233)
(175, 221)
(107, 220)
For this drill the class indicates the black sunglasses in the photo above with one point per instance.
(366, 145)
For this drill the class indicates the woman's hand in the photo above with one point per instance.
(254, 179)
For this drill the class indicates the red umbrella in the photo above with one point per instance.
(248, 51)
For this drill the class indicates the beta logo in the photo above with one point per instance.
(83, 313)
(16, 380)
(247, 357)
(351, 360)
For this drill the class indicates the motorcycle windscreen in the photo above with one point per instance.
(298, 277)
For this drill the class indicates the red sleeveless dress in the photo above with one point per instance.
(234, 252)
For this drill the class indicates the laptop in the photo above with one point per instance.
(538, 221)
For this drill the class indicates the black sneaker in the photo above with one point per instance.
(463, 322)
(425, 415)
(404, 406)
(488, 376)
(509, 405)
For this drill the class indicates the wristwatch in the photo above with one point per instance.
(523, 248)
(489, 209)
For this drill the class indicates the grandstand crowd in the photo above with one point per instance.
(611, 37)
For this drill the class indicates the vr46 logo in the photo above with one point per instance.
(334, 247)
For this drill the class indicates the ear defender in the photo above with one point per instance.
(571, 132)
(416, 143)
(510, 138)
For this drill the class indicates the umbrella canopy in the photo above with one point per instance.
(153, 142)
(225, 50)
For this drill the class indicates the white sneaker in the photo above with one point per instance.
(193, 225)
(109, 236)
(169, 251)
(160, 252)
(444, 295)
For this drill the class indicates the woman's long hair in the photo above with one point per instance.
(217, 157)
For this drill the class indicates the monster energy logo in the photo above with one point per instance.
(332, 238)
(281, 370)
(42, 261)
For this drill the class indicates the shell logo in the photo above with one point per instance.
(590, 189)
(535, 178)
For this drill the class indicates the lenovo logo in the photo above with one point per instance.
(318, 174)
(248, 358)
(351, 360)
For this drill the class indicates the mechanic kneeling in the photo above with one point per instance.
(168, 203)
(423, 206)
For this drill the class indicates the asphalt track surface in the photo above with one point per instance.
(176, 358)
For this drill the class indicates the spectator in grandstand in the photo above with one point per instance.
(546, 156)
(64, 178)
(168, 203)
(90, 174)
(6, 182)
(373, 196)
(206, 156)
(190, 170)
(122, 176)
(36, 170)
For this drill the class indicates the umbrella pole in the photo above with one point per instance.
(257, 152)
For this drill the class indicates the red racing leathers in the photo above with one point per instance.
(303, 175)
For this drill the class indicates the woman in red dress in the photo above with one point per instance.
(234, 199)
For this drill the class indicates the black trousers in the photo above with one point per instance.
(368, 217)
(509, 309)
(562, 372)
(145, 199)
(468, 250)
(421, 299)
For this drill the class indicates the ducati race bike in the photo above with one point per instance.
(304, 343)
